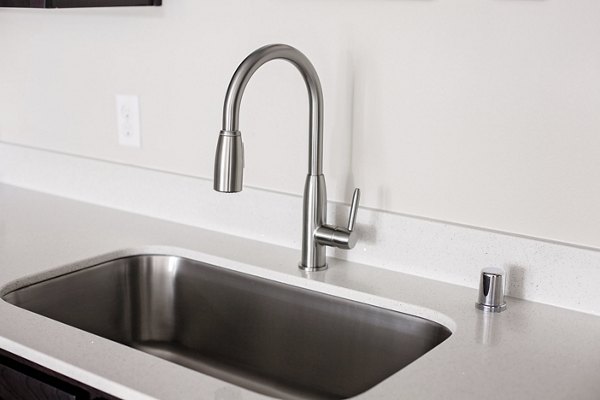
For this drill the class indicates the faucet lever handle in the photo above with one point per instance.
(337, 236)
(353, 209)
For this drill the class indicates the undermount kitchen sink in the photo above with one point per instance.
(266, 336)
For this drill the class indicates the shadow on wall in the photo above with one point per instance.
(351, 105)
(515, 286)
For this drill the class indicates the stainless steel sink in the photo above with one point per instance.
(269, 337)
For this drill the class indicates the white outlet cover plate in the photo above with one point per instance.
(128, 120)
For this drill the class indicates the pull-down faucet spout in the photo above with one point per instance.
(229, 159)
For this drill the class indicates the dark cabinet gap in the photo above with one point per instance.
(77, 3)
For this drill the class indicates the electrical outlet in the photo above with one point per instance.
(128, 120)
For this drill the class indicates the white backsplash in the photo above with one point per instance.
(541, 271)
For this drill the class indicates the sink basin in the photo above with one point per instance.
(266, 336)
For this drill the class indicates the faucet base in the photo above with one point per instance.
(312, 269)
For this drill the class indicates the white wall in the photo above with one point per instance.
(481, 112)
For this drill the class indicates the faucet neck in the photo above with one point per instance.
(233, 98)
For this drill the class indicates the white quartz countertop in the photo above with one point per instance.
(531, 351)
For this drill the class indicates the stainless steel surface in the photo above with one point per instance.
(353, 209)
(491, 290)
(228, 173)
(314, 213)
(269, 337)
(241, 77)
(229, 162)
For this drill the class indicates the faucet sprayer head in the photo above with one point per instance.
(229, 162)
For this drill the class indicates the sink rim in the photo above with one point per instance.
(293, 277)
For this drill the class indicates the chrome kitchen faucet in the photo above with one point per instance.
(229, 159)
